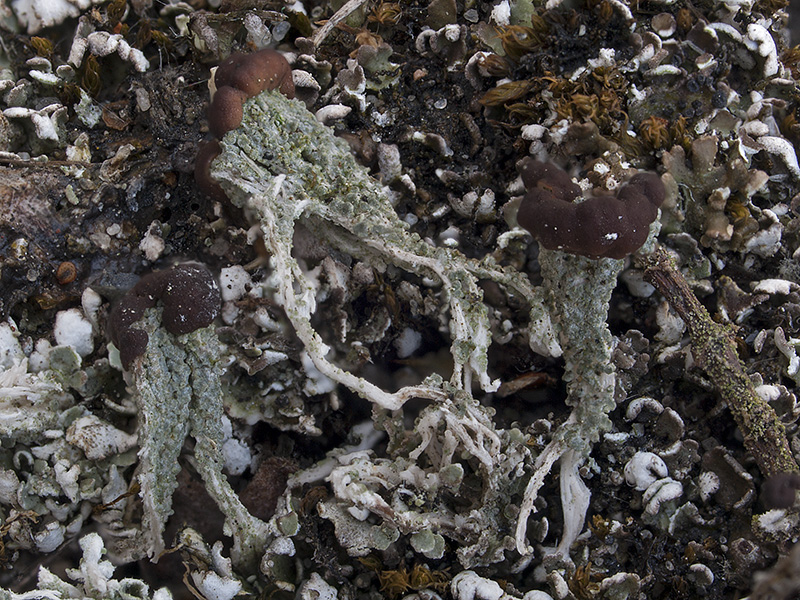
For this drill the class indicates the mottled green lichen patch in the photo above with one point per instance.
(179, 393)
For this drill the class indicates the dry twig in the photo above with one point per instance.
(714, 350)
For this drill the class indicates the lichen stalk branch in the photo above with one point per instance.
(297, 298)
(249, 533)
(578, 290)
(162, 380)
(714, 350)
(286, 169)
(469, 427)
(541, 469)
(542, 337)
(461, 289)
(577, 293)
(340, 15)
(179, 393)
(575, 497)
(469, 319)
(359, 479)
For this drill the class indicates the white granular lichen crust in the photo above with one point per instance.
(35, 15)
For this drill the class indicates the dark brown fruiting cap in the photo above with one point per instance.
(647, 184)
(779, 490)
(242, 76)
(190, 297)
(547, 176)
(239, 77)
(225, 112)
(256, 72)
(603, 226)
(130, 341)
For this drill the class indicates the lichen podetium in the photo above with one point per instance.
(286, 167)
(179, 393)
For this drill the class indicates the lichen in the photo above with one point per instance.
(286, 168)
(289, 170)
(420, 477)
(92, 579)
(458, 441)
(178, 391)
(58, 461)
(578, 291)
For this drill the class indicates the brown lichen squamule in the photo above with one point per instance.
(239, 77)
(602, 226)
